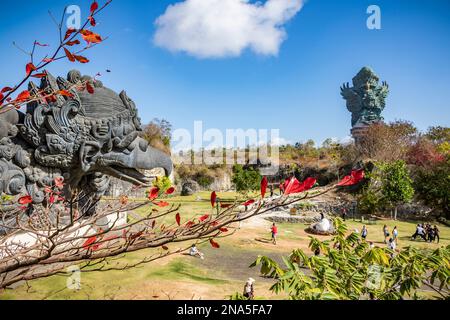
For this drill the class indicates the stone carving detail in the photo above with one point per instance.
(366, 99)
(84, 138)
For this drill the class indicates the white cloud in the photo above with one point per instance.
(225, 28)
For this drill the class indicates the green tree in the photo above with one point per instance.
(246, 179)
(162, 183)
(368, 201)
(432, 185)
(348, 269)
(397, 186)
(439, 134)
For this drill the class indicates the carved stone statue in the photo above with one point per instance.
(323, 227)
(82, 137)
(366, 99)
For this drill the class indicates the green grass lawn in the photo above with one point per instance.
(222, 273)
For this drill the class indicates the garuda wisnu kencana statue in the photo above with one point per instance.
(83, 137)
(366, 99)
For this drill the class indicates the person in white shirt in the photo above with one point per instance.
(195, 253)
(248, 289)
(420, 231)
(395, 234)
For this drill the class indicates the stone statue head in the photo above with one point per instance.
(84, 137)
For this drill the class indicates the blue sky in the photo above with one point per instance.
(296, 91)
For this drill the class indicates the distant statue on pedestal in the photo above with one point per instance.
(365, 100)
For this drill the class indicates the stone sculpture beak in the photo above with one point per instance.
(139, 156)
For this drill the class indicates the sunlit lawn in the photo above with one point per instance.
(222, 273)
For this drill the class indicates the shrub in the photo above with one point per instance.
(246, 179)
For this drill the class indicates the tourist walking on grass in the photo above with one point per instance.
(385, 233)
(344, 213)
(249, 292)
(436, 233)
(430, 233)
(274, 231)
(395, 235)
(364, 232)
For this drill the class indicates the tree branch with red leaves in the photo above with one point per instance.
(54, 241)
(67, 41)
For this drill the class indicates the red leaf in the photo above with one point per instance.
(189, 224)
(123, 200)
(6, 89)
(65, 93)
(213, 198)
(214, 223)
(69, 33)
(214, 244)
(89, 242)
(50, 99)
(40, 44)
(92, 21)
(170, 190)
(39, 75)
(1, 98)
(294, 186)
(81, 59)
(71, 43)
(178, 218)
(48, 60)
(153, 224)
(161, 204)
(69, 55)
(249, 202)
(203, 218)
(90, 37)
(165, 247)
(223, 229)
(153, 194)
(136, 235)
(51, 199)
(30, 68)
(89, 88)
(263, 187)
(23, 96)
(225, 205)
(94, 7)
(25, 200)
(308, 183)
(355, 177)
(59, 182)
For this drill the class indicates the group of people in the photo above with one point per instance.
(426, 232)
(387, 236)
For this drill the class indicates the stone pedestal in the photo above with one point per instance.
(359, 132)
